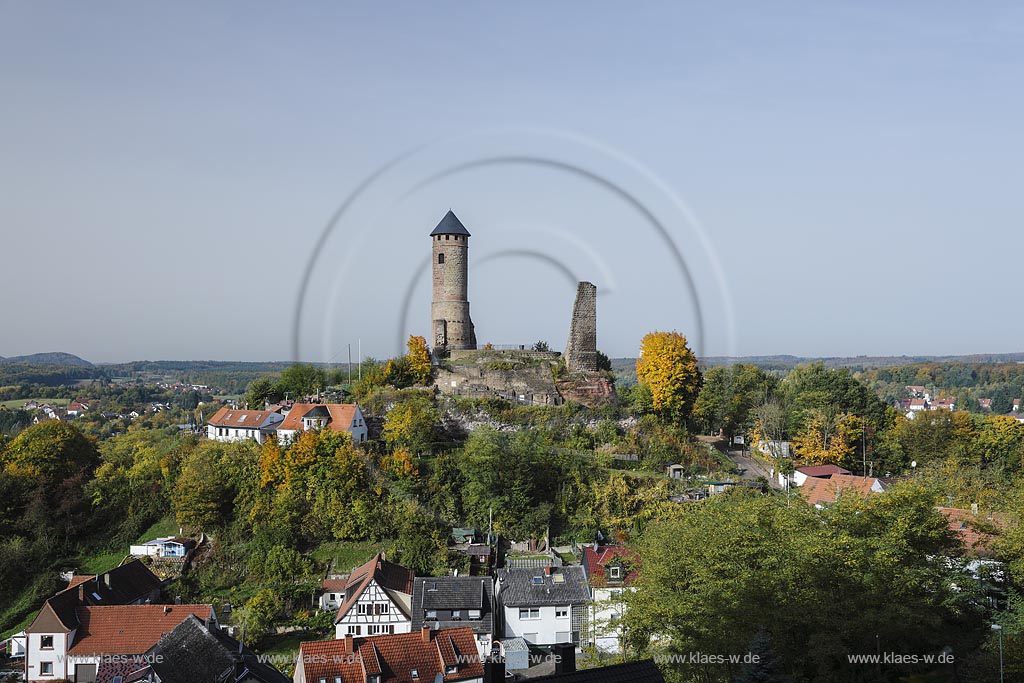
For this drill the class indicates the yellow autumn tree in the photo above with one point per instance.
(419, 360)
(668, 368)
(828, 438)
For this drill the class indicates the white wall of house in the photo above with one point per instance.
(331, 600)
(376, 611)
(544, 625)
(36, 656)
(605, 623)
(233, 434)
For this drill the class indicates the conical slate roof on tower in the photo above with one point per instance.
(450, 225)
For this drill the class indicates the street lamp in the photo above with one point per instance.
(997, 627)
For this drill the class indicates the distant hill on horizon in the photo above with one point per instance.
(786, 361)
(50, 358)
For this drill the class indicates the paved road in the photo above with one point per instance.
(753, 468)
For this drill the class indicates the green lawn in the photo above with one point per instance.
(17, 403)
(165, 527)
(345, 555)
(99, 563)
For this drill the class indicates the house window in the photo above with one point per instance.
(46, 642)
(529, 613)
(451, 669)
(381, 608)
(430, 615)
(373, 678)
(474, 614)
(561, 612)
(377, 629)
(616, 572)
(414, 674)
(333, 597)
(440, 259)
(363, 608)
(46, 668)
(354, 630)
(456, 615)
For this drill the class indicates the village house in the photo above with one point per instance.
(55, 634)
(231, 424)
(545, 605)
(802, 474)
(610, 571)
(337, 417)
(169, 547)
(821, 492)
(332, 592)
(985, 403)
(378, 598)
(424, 656)
(446, 602)
(85, 644)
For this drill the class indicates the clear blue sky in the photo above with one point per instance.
(167, 168)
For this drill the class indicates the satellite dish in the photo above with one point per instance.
(439, 678)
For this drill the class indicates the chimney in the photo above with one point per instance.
(565, 658)
(425, 634)
(494, 670)
(81, 593)
(348, 644)
(547, 570)
(167, 609)
(974, 508)
(106, 579)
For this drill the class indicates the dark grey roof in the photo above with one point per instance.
(192, 651)
(318, 412)
(454, 592)
(450, 225)
(518, 589)
(642, 671)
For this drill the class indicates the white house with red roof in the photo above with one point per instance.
(610, 571)
(231, 424)
(802, 474)
(377, 600)
(337, 417)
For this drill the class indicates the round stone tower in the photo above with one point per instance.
(449, 311)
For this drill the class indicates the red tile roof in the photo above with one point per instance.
(822, 470)
(79, 578)
(128, 629)
(239, 419)
(971, 529)
(394, 657)
(342, 415)
(333, 585)
(388, 575)
(817, 491)
(596, 561)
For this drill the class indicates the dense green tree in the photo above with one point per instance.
(262, 391)
(302, 379)
(728, 397)
(717, 574)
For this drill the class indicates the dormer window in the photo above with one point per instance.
(615, 572)
(451, 669)
(414, 674)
